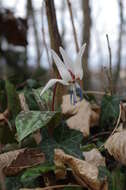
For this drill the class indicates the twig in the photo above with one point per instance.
(94, 92)
(73, 26)
(53, 187)
(97, 135)
(110, 66)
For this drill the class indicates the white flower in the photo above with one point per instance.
(69, 71)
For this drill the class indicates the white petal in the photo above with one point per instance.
(68, 62)
(64, 73)
(51, 82)
(78, 62)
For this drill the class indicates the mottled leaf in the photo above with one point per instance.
(29, 122)
(67, 139)
(43, 101)
(109, 111)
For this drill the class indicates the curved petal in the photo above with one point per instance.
(64, 73)
(68, 62)
(51, 82)
(78, 63)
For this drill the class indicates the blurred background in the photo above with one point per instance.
(28, 31)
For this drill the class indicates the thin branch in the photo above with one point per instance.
(73, 26)
(94, 92)
(54, 187)
(110, 65)
(43, 35)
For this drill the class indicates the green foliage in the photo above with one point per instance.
(88, 147)
(13, 99)
(116, 178)
(103, 173)
(30, 99)
(67, 139)
(37, 102)
(34, 172)
(13, 183)
(29, 122)
(109, 111)
(44, 100)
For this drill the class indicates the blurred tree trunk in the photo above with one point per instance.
(86, 39)
(118, 64)
(31, 14)
(55, 41)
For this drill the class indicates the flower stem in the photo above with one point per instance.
(54, 95)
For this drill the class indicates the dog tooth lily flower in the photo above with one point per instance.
(69, 71)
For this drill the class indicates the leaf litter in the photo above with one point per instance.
(73, 154)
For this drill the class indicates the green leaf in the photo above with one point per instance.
(109, 111)
(43, 101)
(88, 147)
(67, 139)
(103, 173)
(13, 99)
(116, 179)
(34, 172)
(30, 99)
(13, 183)
(29, 122)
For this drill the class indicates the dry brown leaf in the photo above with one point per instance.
(94, 157)
(7, 158)
(26, 159)
(82, 116)
(85, 171)
(116, 146)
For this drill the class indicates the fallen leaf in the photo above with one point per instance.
(82, 115)
(116, 146)
(94, 157)
(7, 158)
(85, 171)
(26, 159)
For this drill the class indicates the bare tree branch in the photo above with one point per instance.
(73, 26)
(118, 64)
(110, 78)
